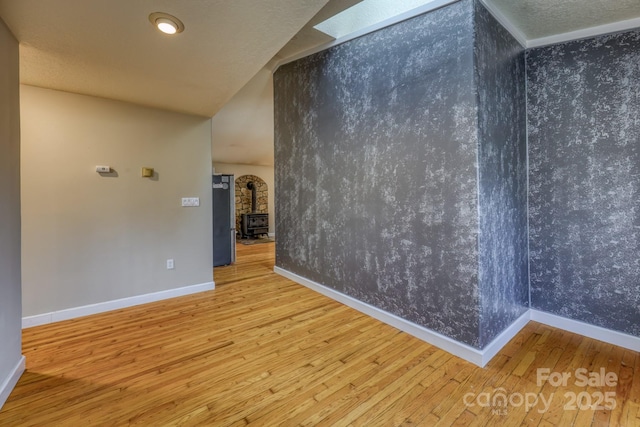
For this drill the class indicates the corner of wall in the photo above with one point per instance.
(11, 380)
(500, 85)
(11, 361)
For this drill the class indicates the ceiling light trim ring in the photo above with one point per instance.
(158, 18)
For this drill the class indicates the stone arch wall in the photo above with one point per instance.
(243, 197)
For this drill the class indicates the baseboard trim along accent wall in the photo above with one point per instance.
(86, 310)
(470, 354)
(591, 331)
(504, 337)
(10, 382)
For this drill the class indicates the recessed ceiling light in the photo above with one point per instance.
(166, 23)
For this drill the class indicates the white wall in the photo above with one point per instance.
(243, 128)
(88, 238)
(264, 172)
(11, 361)
(242, 135)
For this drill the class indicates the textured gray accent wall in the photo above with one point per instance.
(401, 171)
(376, 179)
(584, 202)
(502, 162)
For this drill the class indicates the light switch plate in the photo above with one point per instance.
(191, 201)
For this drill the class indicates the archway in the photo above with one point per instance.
(243, 197)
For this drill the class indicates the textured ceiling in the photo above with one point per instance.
(108, 48)
(243, 129)
(537, 19)
(366, 14)
(309, 37)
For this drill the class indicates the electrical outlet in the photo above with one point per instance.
(169, 264)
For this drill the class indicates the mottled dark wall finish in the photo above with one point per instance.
(584, 203)
(502, 160)
(376, 179)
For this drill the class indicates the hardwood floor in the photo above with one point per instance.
(262, 350)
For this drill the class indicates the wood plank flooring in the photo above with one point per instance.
(261, 350)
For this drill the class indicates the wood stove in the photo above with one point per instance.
(253, 224)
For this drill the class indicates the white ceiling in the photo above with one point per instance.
(540, 19)
(108, 48)
(365, 14)
(242, 131)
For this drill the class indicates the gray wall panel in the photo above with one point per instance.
(380, 194)
(584, 142)
(376, 170)
(502, 154)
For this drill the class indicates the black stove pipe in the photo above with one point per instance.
(252, 187)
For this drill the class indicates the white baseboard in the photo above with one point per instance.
(592, 331)
(464, 351)
(10, 382)
(271, 235)
(489, 351)
(71, 313)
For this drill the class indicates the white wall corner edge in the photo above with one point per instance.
(86, 310)
(10, 382)
(588, 330)
(464, 351)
